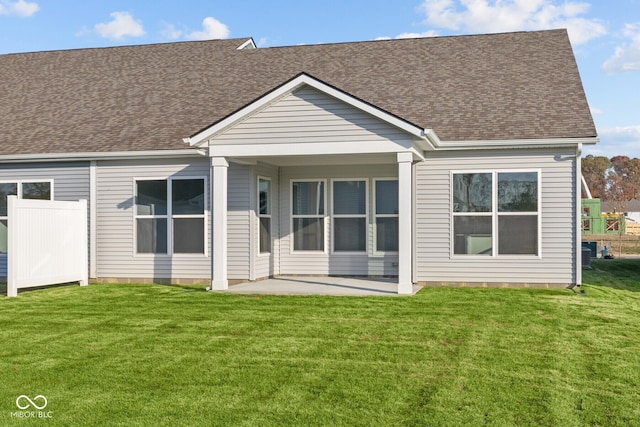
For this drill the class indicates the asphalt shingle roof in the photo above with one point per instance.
(486, 87)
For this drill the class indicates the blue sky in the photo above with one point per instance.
(605, 34)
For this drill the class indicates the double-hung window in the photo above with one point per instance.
(307, 213)
(264, 214)
(496, 213)
(350, 215)
(41, 190)
(170, 216)
(386, 215)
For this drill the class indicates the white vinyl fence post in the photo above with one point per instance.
(84, 281)
(12, 286)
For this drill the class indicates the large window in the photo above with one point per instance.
(353, 230)
(307, 213)
(41, 190)
(264, 214)
(495, 213)
(350, 216)
(170, 214)
(386, 215)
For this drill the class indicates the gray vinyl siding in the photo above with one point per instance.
(70, 183)
(306, 116)
(433, 228)
(266, 265)
(239, 214)
(310, 116)
(316, 263)
(116, 257)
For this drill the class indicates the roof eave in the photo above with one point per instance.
(88, 156)
(514, 143)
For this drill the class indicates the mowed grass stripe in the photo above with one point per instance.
(177, 355)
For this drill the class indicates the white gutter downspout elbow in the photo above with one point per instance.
(202, 151)
(431, 138)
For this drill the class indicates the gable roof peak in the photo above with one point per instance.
(300, 80)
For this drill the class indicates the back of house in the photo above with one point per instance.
(439, 161)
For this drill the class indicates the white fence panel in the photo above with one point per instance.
(47, 243)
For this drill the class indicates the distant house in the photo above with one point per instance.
(448, 160)
(631, 211)
(631, 215)
(596, 219)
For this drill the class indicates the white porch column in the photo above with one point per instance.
(405, 226)
(219, 166)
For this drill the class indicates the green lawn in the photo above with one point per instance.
(177, 355)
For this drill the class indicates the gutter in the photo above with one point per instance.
(88, 156)
(515, 143)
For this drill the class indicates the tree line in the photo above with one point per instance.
(615, 180)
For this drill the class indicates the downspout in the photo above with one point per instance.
(578, 242)
(414, 240)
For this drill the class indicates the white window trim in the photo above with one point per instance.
(270, 215)
(494, 214)
(374, 242)
(323, 216)
(136, 217)
(19, 183)
(169, 217)
(365, 216)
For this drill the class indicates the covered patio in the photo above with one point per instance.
(305, 129)
(336, 286)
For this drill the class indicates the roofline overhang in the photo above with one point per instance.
(88, 156)
(513, 143)
(428, 142)
(202, 138)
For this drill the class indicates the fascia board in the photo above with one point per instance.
(295, 149)
(515, 143)
(290, 86)
(86, 156)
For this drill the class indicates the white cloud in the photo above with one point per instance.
(19, 8)
(616, 141)
(622, 133)
(430, 33)
(595, 111)
(121, 25)
(627, 56)
(491, 16)
(211, 29)
(170, 32)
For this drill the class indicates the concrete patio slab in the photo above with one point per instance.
(339, 286)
